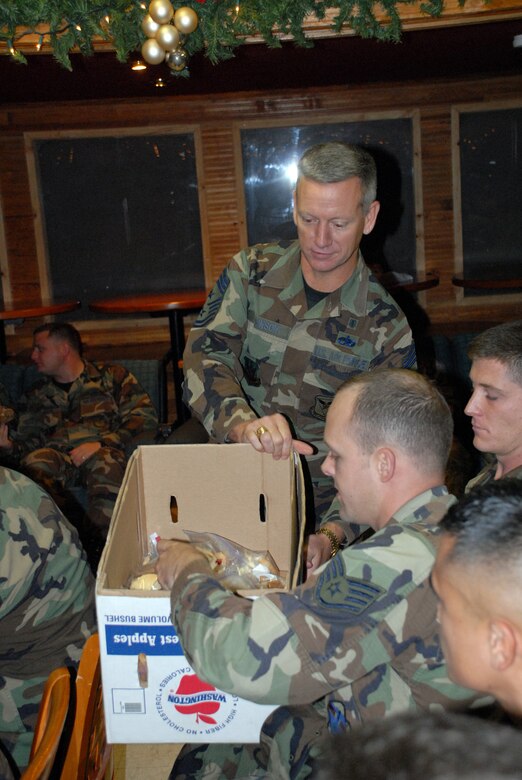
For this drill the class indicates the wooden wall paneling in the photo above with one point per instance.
(39, 222)
(224, 222)
(202, 200)
(438, 203)
(240, 178)
(218, 117)
(20, 285)
(457, 199)
(4, 262)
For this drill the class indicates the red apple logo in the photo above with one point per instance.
(195, 697)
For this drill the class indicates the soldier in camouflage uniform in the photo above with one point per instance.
(359, 640)
(495, 406)
(46, 604)
(478, 579)
(496, 411)
(74, 424)
(287, 323)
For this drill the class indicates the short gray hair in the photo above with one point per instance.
(337, 161)
(397, 406)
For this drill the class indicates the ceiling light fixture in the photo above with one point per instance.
(138, 65)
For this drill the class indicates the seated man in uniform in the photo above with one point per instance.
(495, 406)
(75, 423)
(46, 604)
(359, 640)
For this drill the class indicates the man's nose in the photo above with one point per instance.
(323, 234)
(473, 406)
(326, 466)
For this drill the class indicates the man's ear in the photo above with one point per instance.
(385, 463)
(371, 216)
(502, 645)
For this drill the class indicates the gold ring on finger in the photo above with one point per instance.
(260, 431)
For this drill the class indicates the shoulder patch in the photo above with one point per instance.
(214, 300)
(336, 589)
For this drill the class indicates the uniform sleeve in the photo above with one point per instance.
(136, 410)
(211, 363)
(395, 347)
(295, 647)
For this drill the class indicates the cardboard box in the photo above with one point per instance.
(231, 490)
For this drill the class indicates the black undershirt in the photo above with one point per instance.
(313, 296)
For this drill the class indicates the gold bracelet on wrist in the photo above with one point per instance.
(334, 541)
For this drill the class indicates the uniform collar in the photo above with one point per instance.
(286, 276)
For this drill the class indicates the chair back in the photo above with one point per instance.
(49, 725)
(88, 757)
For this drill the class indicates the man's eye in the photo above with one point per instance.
(491, 397)
(340, 225)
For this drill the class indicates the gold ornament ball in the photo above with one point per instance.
(186, 20)
(168, 37)
(149, 26)
(161, 11)
(177, 60)
(152, 52)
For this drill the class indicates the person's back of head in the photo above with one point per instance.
(336, 161)
(423, 746)
(486, 526)
(62, 331)
(503, 343)
(399, 407)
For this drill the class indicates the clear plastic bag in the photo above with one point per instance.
(235, 566)
(145, 577)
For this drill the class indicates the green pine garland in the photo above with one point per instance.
(67, 24)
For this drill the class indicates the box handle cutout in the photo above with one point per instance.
(173, 509)
(262, 508)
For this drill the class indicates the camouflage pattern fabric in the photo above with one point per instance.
(102, 475)
(46, 604)
(487, 474)
(359, 640)
(105, 404)
(256, 348)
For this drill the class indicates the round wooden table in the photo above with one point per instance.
(17, 312)
(491, 283)
(419, 282)
(172, 304)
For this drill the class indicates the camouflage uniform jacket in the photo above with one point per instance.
(487, 474)
(46, 601)
(256, 348)
(106, 403)
(359, 639)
